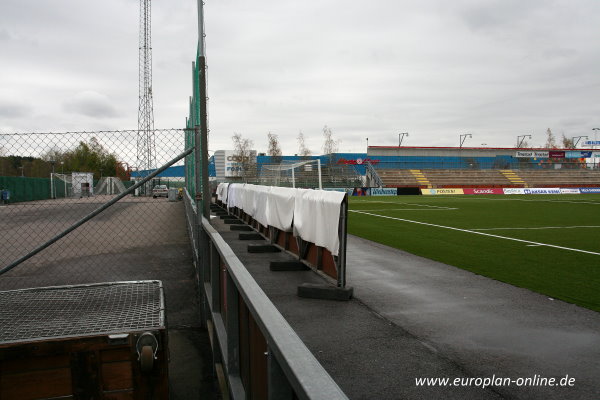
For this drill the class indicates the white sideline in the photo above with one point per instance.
(539, 227)
(529, 200)
(409, 204)
(478, 233)
(413, 209)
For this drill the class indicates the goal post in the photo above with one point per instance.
(296, 173)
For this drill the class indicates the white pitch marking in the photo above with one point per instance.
(539, 227)
(409, 204)
(597, 203)
(412, 209)
(478, 233)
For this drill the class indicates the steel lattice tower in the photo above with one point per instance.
(146, 146)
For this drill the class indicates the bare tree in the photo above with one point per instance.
(567, 143)
(330, 145)
(303, 151)
(244, 156)
(274, 149)
(550, 140)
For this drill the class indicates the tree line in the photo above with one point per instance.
(88, 156)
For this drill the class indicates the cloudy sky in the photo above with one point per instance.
(434, 68)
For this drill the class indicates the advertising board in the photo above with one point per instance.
(532, 154)
(513, 191)
(384, 191)
(589, 190)
(441, 191)
(570, 191)
(542, 191)
(483, 191)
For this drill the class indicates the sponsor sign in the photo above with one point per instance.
(532, 154)
(441, 191)
(570, 191)
(384, 191)
(234, 165)
(541, 191)
(483, 191)
(589, 190)
(592, 143)
(578, 154)
(358, 161)
(557, 154)
(596, 154)
(360, 192)
(513, 191)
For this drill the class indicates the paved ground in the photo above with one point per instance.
(140, 238)
(412, 318)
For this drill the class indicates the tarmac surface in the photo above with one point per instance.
(138, 238)
(415, 318)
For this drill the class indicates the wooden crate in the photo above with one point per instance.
(100, 341)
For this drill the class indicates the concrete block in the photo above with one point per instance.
(250, 236)
(325, 292)
(293, 265)
(263, 248)
(240, 228)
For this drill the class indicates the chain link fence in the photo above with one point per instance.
(50, 181)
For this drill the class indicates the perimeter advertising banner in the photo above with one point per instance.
(441, 191)
(589, 190)
(513, 191)
(384, 191)
(542, 191)
(484, 191)
(570, 191)
(532, 154)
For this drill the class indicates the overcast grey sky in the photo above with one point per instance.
(436, 69)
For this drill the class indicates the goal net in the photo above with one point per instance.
(300, 174)
(109, 185)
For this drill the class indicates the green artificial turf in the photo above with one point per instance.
(570, 221)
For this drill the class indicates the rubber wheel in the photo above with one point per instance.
(147, 359)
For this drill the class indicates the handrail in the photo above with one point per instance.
(374, 175)
(305, 374)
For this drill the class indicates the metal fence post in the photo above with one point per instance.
(278, 385)
(233, 328)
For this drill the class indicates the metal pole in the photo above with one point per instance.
(320, 180)
(204, 137)
(201, 28)
(93, 213)
(293, 178)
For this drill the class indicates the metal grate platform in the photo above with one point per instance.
(82, 310)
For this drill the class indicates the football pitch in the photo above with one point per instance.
(546, 243)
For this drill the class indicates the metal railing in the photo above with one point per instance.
(373, 178)
(283, 367)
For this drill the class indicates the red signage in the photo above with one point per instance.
(484, 191)
(358, 161)
(556, 154)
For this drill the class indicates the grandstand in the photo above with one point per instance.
(429, 167)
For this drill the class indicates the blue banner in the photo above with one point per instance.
(589, 190)
(384, 191)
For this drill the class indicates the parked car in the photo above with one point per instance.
(160, 190)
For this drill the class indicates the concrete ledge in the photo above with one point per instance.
(263, 248)
(325, 292)
(224, 216)
(240, 228)
(293, 265)
(250, 236)
(233, 221)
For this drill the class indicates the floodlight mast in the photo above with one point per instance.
(463, 138)
(576, 142)
(401, 137)
(522, 137)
